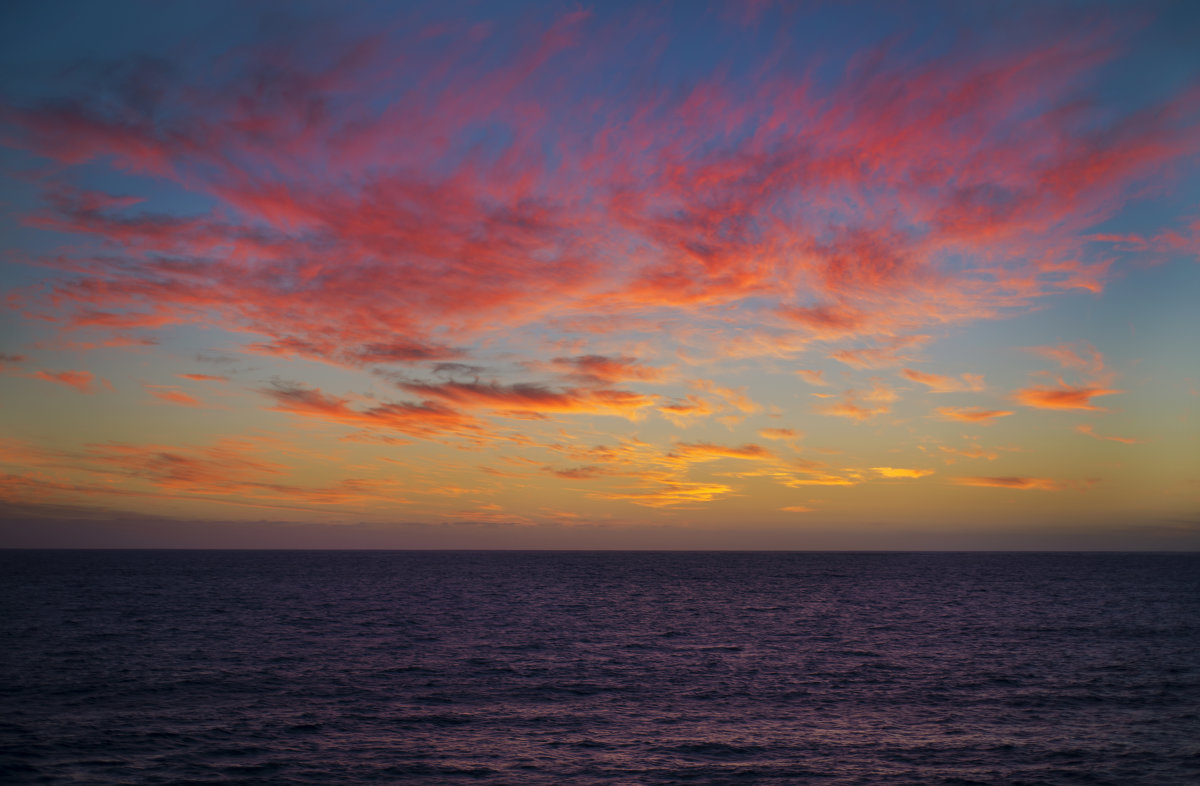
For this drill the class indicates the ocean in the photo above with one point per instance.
(599, 667)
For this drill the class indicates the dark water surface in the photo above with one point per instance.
(553, 667)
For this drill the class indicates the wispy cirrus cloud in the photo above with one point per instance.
(356, 238)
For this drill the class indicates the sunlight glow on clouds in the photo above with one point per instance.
(575, 263)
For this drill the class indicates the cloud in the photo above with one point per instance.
(427, 419)
(861, 406)
(705, 451)
(974, 452)
(7, 360)
(797, 509)
(1062, 397)
(812, 377)
(900, 472)
(1087, 428)
(972, 414)
(670, 493)
(1012, 482)
(1079, 355)
(204, 377)
(943, 384)
(579, 473)
(228, 471)
(785, 434)
(523, 397)
(177, 397)
(79, 380)
(681, 413)
(528, 204)
(605, 369)
(892, 353)
(346, 231)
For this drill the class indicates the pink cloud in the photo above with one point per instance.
(413, 249)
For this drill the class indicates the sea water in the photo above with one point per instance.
(599, 667)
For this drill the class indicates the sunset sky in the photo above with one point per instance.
(620, 275)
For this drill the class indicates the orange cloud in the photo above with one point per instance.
(861, 406)
(605, 369)
(812, 377)
(177, 397)
(1086, 428)
(973, 453)
(705, 451)
(669, 493)
(1079, 355)
(900, 472)
(523, 397)
(227, 471)
(1012, 482)
(682, 412)
(427, 419)
(972, 414)
(579, 473)
(1062, 397)
(942, 384)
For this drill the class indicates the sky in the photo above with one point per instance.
(753, 275)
